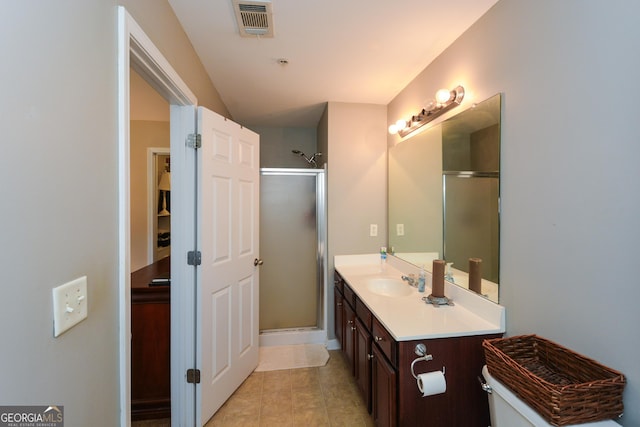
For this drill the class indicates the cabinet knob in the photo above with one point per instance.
(349, 322)
(370, 356)
(339, 304)
(378, 339)
(353, 328)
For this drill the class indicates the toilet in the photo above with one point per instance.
(508, 410)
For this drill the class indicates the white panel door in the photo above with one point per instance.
(228, 220)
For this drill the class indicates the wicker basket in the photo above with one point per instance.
(563, 386)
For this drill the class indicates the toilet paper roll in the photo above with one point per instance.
(431, 383)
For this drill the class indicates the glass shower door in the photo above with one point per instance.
(290, 248)
(471, 221)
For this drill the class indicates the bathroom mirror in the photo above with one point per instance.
(444, 195)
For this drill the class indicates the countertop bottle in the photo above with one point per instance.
(421, 279)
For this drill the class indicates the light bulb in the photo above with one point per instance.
(430, 105)
(401, 124)
(393, 129)
(443, 95)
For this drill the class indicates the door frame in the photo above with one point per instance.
(136, 50)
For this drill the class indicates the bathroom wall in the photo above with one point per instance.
(569, 225)
(357, 181)
(276, 144)
(58, 183)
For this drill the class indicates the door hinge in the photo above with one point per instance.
(193, 376)
(194, 140)
(194, 258)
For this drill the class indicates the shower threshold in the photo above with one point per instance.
(313, 335)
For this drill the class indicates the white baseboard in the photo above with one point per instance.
(333, 345)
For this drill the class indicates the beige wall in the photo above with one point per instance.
(357, 176)
(569, 226)
(144, 135)
(59, 205)
(357, 181)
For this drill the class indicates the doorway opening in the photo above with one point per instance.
(136, 51)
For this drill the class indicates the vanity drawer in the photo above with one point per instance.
(349, 295)
(384, 341)
(363, 314)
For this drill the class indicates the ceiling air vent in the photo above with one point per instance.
(255, 18)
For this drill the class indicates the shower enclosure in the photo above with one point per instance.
(292, 246)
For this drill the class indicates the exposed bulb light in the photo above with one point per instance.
(444, 101)
(401, 124)
(430, 105)
(443, 95)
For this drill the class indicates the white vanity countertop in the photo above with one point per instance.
(408, 317)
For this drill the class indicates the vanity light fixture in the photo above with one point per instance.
(445, 101)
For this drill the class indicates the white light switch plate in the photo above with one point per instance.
(400, 229)
(373, 230)
(69, 305)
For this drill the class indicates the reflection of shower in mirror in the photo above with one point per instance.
(310, 160)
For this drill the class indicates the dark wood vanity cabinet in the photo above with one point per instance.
(464, 403)
(349, 316)
(382, 369)
(362, 362)
(383, 390)
(352, 329)
(150, 344)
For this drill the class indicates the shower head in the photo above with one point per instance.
(311, 160)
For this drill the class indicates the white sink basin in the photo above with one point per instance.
(389, 287)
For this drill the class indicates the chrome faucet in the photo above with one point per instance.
(411, 280)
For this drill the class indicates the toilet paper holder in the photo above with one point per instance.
(421, 350)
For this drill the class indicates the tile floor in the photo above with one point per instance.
(323, 396)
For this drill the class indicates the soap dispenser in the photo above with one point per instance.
(422, 279)
(449, 274)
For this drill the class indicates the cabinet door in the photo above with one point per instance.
(363, 362)
(349, 318)
(383, 377)
(338, 325)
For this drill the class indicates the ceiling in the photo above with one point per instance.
(337, 50)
